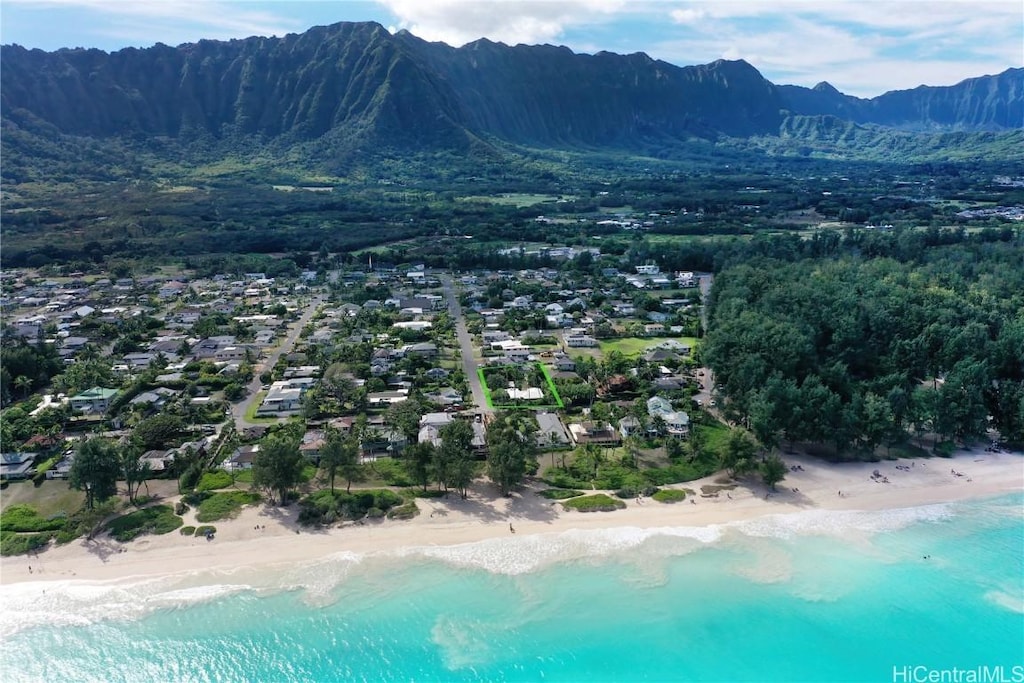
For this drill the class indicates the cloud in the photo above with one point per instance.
(458, 22)
(864, 47)
(172, 21)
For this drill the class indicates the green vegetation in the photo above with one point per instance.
(12, 543)
(224, 505)
(407, 510)
(205, 530)
(187, 530)
(598, 502)
(26, 518)
(328, 507)
(158, 519)
(945, 333)
(559, 494)
(495, 379)
(633, 346)
(669, 495)
(211, 481)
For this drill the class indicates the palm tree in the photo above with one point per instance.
(23, 384)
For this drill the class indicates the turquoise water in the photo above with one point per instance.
(813, 596)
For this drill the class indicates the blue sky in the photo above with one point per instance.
(863, 47)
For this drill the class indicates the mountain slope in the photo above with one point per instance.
(987, 103)
(357, 87)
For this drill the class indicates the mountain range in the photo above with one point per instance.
(354, 85)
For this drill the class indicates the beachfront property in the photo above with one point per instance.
(596, 433)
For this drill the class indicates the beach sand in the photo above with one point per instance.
(267, 536)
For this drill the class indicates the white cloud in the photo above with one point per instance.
(687, 16)
(863, 48)
(458, 22)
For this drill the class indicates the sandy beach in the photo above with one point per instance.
(265, 536)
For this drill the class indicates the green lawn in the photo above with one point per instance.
(633, 346)
(50, 498)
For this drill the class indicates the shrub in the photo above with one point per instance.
(159, 519)
(205, 529)
(406, 511)
(66, 536)
(187, 530)
(559, 494)
(598, 502)
(326, 507)
(420, 493)
(224, 505)
(392, 472)
(669, 496)
(12, 543)
(25, 518)
(218, 479)
(181, 507)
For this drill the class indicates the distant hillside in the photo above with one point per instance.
(988, 103)
(354, 86)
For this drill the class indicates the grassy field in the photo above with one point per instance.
(516, 199)
(51, 497)
(632, 346)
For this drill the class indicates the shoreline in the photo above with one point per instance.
(267, 537)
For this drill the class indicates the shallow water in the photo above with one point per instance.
(812, 596)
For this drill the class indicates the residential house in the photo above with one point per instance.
(242, 458)
(597, 433)
(677, 422)
(629, 426)
(16, 465)
(550, 431)
(95, 400)
(579, 341)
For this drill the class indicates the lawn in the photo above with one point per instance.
(50, 498)
(633, 346)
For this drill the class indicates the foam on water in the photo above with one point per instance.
(68, 603)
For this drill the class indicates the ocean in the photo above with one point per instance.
(812, 596)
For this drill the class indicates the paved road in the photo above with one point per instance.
(469, 364)
(705, 282)
(239, 409)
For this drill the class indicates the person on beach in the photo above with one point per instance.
(512, 530)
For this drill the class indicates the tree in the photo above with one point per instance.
(277, 465)
(455, 455)
(23, 384)
(773, 470)
(154, 432)
(134, 470)
(510, 447)
(739, 453)
(95, 470)
(405, 417)
(335, 453)
(417, 459)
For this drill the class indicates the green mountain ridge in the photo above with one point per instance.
(354, 88)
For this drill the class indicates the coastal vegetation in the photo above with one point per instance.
(157, 519)
(598, 502)
(669, 495)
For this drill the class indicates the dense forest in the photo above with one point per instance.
(862, 352)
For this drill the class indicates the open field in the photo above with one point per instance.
(517, 199)
(632, 346)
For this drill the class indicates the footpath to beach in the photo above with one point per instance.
(265, 536)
